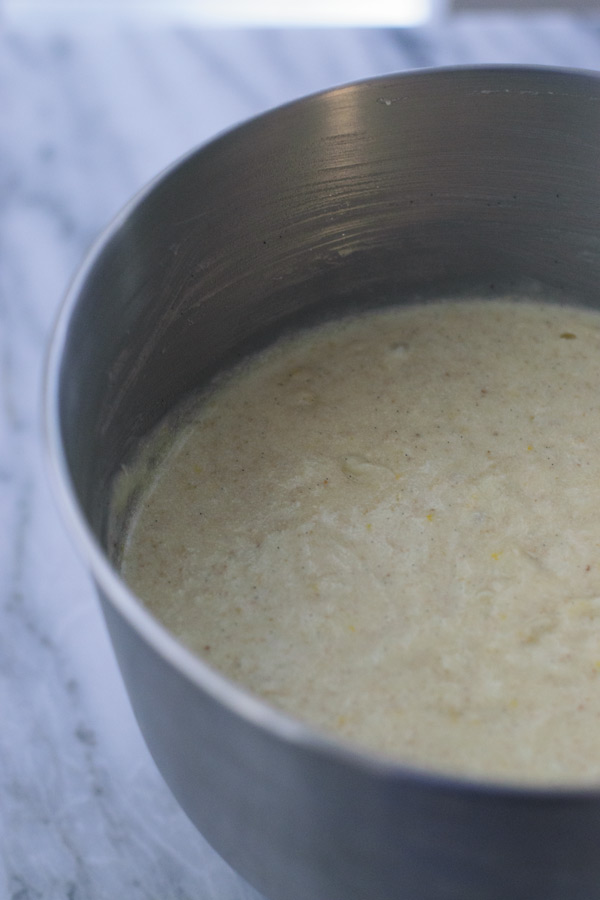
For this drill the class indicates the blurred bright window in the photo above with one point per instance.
(239, 12)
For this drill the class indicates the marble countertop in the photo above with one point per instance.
(87, 116)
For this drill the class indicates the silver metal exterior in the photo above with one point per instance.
(416, 185)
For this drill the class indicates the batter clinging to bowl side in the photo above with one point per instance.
(389, 526)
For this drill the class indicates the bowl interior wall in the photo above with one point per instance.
(388, 191)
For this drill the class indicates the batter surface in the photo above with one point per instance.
(390, 528)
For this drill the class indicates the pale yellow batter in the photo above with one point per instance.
(390, 527)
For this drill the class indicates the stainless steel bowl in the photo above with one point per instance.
(435, 182)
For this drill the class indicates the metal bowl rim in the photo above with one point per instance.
(233, 696)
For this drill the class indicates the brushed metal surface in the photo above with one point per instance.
(417, 185)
